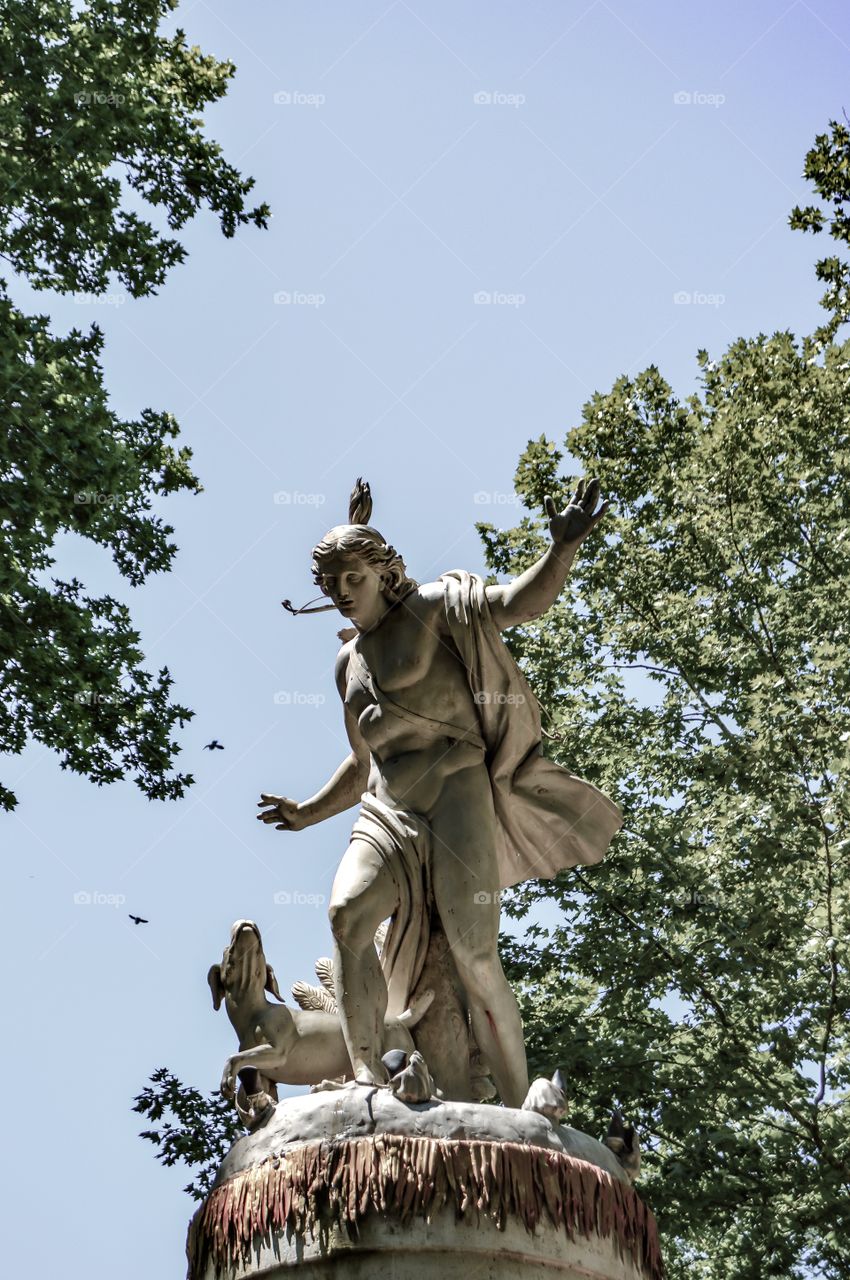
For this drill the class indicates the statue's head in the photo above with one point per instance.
(356, 567)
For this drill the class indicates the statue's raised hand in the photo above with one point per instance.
(287, 815)
(575, 522)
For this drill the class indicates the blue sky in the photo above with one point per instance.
(483, 212)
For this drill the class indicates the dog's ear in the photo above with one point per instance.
(271, 984)
(216, 985)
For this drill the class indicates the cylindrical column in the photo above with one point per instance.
(478, 1193)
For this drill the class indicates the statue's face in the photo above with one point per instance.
(355, 588)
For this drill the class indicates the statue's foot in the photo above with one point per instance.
(364, 1080)
(325, 1086)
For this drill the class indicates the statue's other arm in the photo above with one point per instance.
(341, 792)
(536, 590)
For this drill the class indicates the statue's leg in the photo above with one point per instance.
(466, 890)
(363, 895)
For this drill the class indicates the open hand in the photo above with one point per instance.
(575, 522)
(287, 815)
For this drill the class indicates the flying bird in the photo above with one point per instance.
(215, 745)
(137, 919)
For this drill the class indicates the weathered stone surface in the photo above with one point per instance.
(443, 1249)
(355, 1183)
(358, 1111)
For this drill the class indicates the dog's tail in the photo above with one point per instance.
(417, 1009)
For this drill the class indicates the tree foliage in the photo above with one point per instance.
(99, 124)
(696, 669)
(828, 169)
(197, 1129)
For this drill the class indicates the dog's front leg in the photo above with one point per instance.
(264, 1057)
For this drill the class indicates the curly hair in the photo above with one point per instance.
(362, 542)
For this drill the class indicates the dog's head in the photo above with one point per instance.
(243, 969)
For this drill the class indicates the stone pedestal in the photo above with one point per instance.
(354, 1185)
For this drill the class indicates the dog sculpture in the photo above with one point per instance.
(623, 1141)
(287, 1046)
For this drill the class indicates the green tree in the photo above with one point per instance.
(99, 118)
(196, 1129)
(697, 670)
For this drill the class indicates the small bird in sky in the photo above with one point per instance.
(137, 919)
(215, 745)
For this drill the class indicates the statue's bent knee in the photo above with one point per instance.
(480, 973)
(349, 923)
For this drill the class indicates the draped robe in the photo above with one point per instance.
(546, 818)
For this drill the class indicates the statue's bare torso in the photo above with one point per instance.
(412, 658)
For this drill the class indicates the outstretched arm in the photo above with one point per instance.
(537, 589)
(341, 792)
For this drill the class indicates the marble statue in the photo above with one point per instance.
(622, 1139)
(456, 800)
(391, 1164)
(548, 1097)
